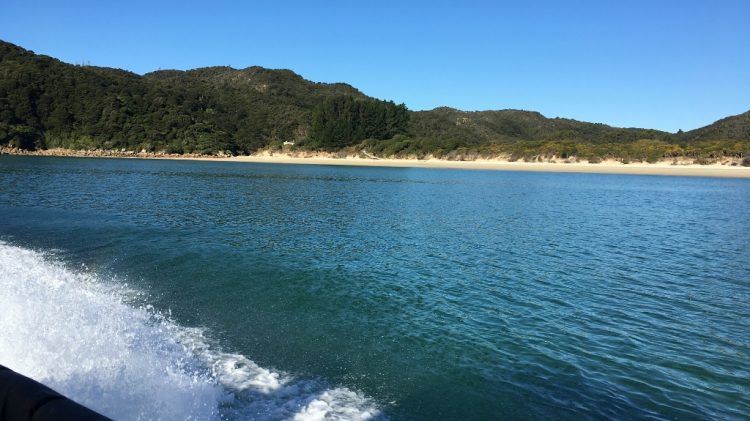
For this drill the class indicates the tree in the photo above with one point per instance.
(342, 121)
(20, 136)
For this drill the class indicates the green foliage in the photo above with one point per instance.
(505, 126)
(45, 103)
(20, 136)
(644, 150)
(344, 121)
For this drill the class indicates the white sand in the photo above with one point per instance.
(683, 168)
(606, 167)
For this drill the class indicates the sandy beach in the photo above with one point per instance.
(666, 168)
(605, 167)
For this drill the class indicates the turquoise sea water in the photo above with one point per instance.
(272, 291)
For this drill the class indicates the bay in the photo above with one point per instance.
(407, 293)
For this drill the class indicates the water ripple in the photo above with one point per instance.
(441, 294)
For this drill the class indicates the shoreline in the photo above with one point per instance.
(665, 168)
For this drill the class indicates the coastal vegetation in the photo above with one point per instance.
(343, 121)
(45, 104)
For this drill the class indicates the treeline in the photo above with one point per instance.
(344, 121)
(644, 150)
(45, 103)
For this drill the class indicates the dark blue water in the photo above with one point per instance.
(437, 294)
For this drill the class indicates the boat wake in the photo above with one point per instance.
(89, 339)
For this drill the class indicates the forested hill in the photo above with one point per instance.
(734, 127)
(45, 103)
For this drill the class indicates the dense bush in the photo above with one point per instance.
(342, 121)
(45, 103)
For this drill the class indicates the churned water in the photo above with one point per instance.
(207, 290)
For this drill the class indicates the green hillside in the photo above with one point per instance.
(45, 103)
(446, 132)
(734, 127)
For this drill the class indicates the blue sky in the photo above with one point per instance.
(659, 64)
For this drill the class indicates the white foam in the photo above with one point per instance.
(85, 338)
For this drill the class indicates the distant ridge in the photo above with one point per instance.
(735, 127)
(45, 103)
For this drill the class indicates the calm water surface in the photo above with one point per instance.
(426, 294)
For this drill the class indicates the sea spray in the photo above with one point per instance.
(86, 338)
